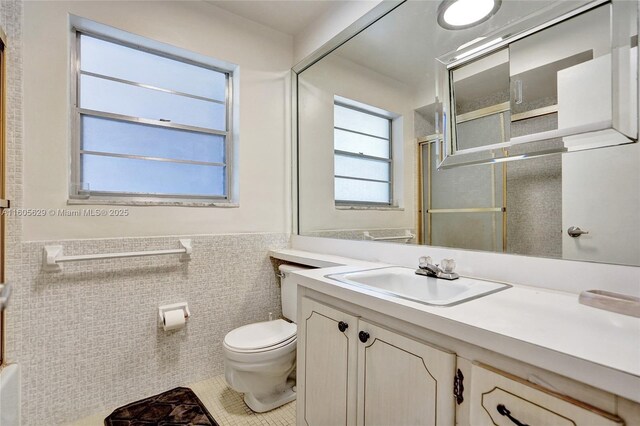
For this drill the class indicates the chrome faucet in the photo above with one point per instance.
(426, 267)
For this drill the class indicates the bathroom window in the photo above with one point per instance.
(362, 155)
(148, 125)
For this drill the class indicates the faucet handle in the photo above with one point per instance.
(448, 265)
(424, 261)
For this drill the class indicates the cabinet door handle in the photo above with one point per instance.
(363, 336)
(342, 326)
(504, 411)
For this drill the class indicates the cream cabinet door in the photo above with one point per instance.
(498, 398)
(326, 366)
(402, 381)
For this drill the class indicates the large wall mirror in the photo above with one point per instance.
(376, 120)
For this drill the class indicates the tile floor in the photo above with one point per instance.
(225, 405)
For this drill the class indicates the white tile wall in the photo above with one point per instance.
(88, 339)
(11, 23)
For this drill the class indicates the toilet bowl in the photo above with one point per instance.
(260, 358)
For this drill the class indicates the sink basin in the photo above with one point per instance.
(404, 283)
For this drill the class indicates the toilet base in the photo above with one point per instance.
(269, 402)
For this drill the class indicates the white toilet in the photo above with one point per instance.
(260, 358)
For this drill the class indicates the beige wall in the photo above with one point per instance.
(264, 57)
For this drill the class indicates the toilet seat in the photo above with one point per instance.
(247, 358)
(262, 350)
(261, 336)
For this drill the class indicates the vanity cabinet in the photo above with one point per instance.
(402, 381)
(352, 371)
(498, 398)
(328, 372)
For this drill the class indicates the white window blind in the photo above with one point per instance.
(362, 156)
(149, 124)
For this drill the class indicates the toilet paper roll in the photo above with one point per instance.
(173, 320)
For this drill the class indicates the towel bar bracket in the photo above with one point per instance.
(49, 258)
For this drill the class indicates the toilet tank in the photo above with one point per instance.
(289, 291)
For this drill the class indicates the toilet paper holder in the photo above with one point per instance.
(162, 310)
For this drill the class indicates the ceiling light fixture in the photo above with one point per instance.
(461, 14)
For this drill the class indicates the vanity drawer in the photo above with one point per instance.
(499, 398)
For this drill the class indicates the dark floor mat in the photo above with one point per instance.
(179, 406)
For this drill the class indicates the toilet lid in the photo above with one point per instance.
(260, 335)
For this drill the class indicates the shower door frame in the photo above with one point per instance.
(4, 203)
(425, 210)
(422, 142)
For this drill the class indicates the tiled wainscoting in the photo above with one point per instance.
(88, 338)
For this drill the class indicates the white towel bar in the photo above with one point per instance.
(52, 256)
(408, 237)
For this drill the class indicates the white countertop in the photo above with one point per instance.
(319, 260)
(545, 328)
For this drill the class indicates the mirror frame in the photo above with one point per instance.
(364, 22)
(445, 119)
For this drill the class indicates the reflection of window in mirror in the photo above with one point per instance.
(362, 154)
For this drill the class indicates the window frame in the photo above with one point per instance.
(347, 203)
(76, 194)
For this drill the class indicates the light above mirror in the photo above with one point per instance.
(461, 14)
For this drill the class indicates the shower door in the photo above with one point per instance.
(463, 207)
